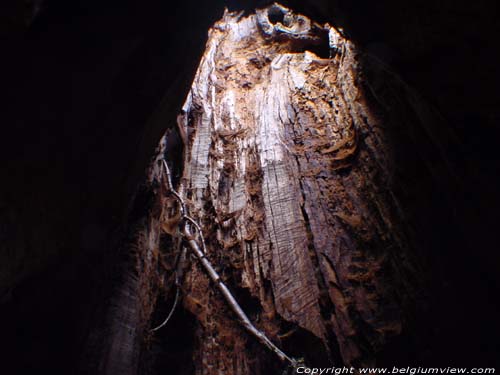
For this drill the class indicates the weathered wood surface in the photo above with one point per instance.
(290, 173)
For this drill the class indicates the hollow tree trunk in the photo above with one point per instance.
(290, 170)
(295, 166)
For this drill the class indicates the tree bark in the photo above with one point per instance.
(289, 168)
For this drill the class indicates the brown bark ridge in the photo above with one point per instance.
(289, 169)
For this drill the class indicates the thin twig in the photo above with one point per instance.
(176, 300)
(201, 254)
(179, 275)
(242, 317)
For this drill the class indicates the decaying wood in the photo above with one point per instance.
(290, 173)
(190, 235)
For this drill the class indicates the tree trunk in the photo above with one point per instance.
(289, 167)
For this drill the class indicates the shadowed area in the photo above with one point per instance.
(89, 87)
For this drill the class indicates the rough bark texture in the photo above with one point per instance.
(89, 88)
(291, 174)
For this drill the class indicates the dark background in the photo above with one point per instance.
(88, 87)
